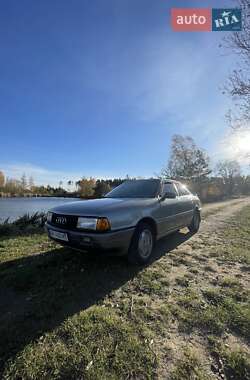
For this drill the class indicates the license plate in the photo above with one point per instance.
(58, 235)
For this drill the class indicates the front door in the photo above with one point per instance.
(166, 212)
(185, 205)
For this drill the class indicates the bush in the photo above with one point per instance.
(26, 222)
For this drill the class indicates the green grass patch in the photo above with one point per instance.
(235, 362)
(152, 282)
(214, 314)
(95, 344)
(17, 247)
(155, 318)
(237, 236)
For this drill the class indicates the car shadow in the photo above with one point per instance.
(169, 243)
(37, 293)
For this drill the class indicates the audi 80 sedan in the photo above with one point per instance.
(128, 220)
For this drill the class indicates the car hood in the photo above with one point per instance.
(100, 207)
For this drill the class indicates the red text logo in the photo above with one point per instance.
(191, 19)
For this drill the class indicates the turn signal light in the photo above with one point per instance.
(102, 224)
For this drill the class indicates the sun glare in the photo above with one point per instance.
(243, 143)
(237, 147)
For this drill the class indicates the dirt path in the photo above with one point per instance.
(197, 250)
(215, 215)
(232, 204)
(198, 264)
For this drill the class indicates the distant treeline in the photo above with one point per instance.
(209, 188)
(187, 163)
(85, 187)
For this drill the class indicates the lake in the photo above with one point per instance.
(15, 207)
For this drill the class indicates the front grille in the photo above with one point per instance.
(64, 221)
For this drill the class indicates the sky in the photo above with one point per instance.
(98, 88)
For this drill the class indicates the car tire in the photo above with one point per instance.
(142, 244)
(195, 224)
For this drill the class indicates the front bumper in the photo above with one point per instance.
(117, 241)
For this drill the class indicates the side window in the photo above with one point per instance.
(185, 190)
(182, 190)
(168, 188)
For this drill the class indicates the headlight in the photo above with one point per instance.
(49, 216)
(96, 224)
(87, 223)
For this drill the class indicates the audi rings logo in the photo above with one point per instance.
(61, 220)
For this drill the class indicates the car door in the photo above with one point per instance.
(166, 211)
(185, 205)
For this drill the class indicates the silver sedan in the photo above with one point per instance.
(128, 220)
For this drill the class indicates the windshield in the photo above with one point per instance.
(143, 188)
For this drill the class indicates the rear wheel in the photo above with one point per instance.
(142, 244)
(195, 224)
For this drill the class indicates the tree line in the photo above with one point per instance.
(84, 187)
(187, 163)
(191, 165)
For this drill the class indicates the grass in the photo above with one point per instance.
(25, 224)
(68, 315)
(236, 364)
(222, 311)
(152, 283)
(234, 361)
(182, 281)
(189, 366)
(96, 344)
(237, 235)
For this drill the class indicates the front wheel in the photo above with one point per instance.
(142, 244)
(195, 224)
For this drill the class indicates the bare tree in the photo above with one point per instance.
(2, 179)
(31, 183)
(230, 171)
(23, 182)
(13, 186)
(238, 84)
(69, 183)
(187, 160)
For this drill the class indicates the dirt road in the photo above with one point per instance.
(202, 263)
(217, 213)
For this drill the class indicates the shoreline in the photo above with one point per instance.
(37, 196)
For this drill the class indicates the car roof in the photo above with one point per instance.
(154, 179)
(170, 181)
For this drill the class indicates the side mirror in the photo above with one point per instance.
(168, 195)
